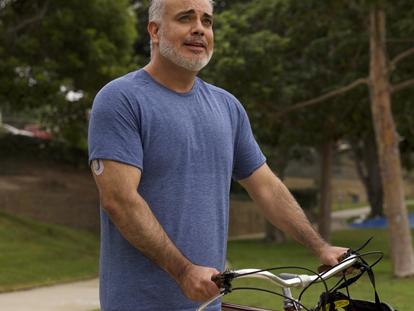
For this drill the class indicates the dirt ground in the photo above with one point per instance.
(49, 192)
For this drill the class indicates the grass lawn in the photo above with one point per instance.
(348, 205)
(410, 205)
(256, 254)
(33, 254)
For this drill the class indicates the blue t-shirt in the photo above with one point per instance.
(188, 147)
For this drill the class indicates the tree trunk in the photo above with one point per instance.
(367, 164)
(325, 208)
(402, 254)
(274, 235)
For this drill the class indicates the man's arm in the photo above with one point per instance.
(117, 185)
(282, 210)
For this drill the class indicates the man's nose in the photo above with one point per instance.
(198, 27)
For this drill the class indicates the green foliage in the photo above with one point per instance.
(47, 45)
(246, 52)
(273, 54)
(34, 254)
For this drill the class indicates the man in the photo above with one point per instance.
(164, 146)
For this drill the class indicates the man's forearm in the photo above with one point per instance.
(286, 214)
(282, 210)
(138, 225)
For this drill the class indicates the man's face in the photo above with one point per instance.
(185, 36)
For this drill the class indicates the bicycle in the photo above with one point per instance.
(330, 299)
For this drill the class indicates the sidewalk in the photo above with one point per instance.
(350, 213)
(339, 218)
(78, 296)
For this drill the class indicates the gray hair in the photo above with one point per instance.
(156, 10)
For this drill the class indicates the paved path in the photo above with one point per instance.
(339, 218)
(79, 296)
(346, 214)
(351, 213)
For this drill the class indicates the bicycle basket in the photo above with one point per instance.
(338, 301)
(334, 300)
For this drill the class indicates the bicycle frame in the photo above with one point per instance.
(285, 281)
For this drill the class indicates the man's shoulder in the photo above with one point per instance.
(123, 83)
(221, 93)
(218, 91)
(124, 90)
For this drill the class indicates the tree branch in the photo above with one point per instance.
(396, 88)
(400, 57)
(402, 86)
(324, 97)
(29, 20)
(400, 40)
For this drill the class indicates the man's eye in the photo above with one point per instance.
(184, 18)
(208, 22)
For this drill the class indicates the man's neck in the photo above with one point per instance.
(171, 76)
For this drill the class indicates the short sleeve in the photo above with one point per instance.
(248, 157)
(114, 127)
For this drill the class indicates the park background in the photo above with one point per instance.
(317, 78)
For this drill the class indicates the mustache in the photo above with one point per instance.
(196, 41)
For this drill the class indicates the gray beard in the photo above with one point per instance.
(168, 51)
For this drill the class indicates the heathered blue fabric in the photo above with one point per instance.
(188, 147)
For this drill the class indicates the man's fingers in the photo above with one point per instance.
(197, 284)
(323, 268)
(332, 255)
(216, 279)
(213, 286)
(212, 290)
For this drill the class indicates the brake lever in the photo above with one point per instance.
(223, 280)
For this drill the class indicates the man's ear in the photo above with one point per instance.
(153, 29)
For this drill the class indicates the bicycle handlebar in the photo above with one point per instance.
(287, 280)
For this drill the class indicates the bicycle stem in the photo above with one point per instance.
(289, 303)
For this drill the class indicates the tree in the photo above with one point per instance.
(250, 57)
(386, 135)
(365, 154)
(285, 69)
(273, 80)
(387, 139)
(50, 49)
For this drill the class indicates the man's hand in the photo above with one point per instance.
(331, 255)
(196, 283)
